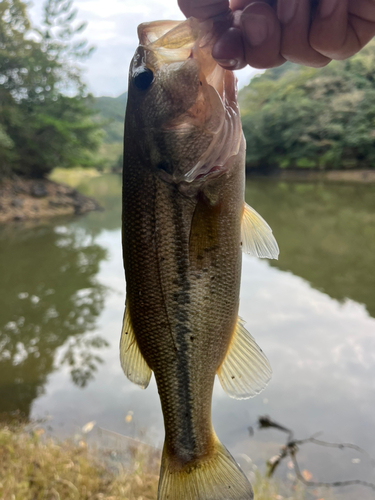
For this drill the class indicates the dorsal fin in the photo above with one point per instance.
(132, 361)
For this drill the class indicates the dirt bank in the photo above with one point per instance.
(23, 199)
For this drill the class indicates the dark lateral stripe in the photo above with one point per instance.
(181, 299)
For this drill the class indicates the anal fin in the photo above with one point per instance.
(245, 370)
(132, 361)
(256, 235)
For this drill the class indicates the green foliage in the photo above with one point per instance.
(312, 118)
(44, 118)
(110, 113)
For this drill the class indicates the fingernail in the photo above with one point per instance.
(327, 7)
(229, 63)
(286, 10)
(255, 27)
(228, 50)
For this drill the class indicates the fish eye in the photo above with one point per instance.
(143, 77)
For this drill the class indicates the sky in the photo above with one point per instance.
(112, 29)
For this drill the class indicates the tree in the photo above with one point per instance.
(45, 121)
(311, 118)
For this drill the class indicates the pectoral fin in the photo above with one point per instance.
(245, 370)
(132, 361)
(256, 235)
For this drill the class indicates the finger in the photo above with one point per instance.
(295, 17)
(203, 9)
(242, 4)
(338, 34)
(364, 9)
(229, 50)
(261, 33)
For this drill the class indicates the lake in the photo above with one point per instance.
(312, 312)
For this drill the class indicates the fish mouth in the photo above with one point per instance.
(215, 110)
(170, 41)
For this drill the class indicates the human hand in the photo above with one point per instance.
(266, 33)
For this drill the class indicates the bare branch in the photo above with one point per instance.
(327, 484)
(291, 449)
(266, 421)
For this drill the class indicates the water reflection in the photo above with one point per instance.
(326, 233)
(107, 190)
(49, 294)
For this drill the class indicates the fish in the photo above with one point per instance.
(184, 227)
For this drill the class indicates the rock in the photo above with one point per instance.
(38, 190)
(18, 189)
(56, 203)
(17, 203)
(73, 194)
(23, 199)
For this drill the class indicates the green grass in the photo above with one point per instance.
(72, 176)
(108, 154)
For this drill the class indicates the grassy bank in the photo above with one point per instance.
(350, 176)
(33, 467)
(73, 176)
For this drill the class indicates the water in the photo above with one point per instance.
(312, 312)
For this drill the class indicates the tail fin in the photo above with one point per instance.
(215, 478)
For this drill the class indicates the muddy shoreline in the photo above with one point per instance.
(30, 199)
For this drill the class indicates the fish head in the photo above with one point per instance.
(182, 106)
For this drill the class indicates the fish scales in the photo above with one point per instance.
(182, 241)
(191, 292)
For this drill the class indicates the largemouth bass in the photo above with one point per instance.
(184, 226)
